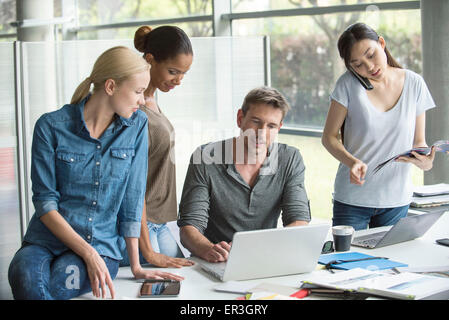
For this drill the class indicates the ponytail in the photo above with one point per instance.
(81, 91)
(117, 63)
(164, 42)
(392, 61)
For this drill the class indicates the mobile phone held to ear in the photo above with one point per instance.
(364, 81)
(159, 289)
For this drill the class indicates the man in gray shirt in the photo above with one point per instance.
(243, 183)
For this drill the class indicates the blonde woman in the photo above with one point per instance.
(87, 163)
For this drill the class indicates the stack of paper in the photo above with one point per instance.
(430, 195)
(437, 271)
(267, 295)
(262, 291)
(431, 190)
(410, 286)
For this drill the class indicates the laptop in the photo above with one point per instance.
(270, 253)
(407, 228)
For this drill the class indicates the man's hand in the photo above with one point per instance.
(218, 252)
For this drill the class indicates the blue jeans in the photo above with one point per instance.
(161, 240)
(36, 274)
(362, 217)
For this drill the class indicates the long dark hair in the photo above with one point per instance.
(164, 42)
(355, 33)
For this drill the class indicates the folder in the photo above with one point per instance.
(371, 262)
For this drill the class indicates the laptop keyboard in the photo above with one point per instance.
(370, 239)
(370, 242)
(219, 268)
(216, 269)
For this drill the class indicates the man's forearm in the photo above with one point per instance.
(194, 241)
(297, 223)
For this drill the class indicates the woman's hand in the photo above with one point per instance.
(357, 173)
(421, 161)
(140, 273)
(137, 270)
(98, 275)
(163, 261)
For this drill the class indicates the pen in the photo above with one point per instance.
(329, 265)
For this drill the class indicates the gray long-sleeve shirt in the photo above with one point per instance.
(218, 202)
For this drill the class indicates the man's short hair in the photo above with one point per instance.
(268, 96)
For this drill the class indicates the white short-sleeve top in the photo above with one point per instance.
(374, 136)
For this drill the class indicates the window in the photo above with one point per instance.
(262, 5)
(305, 65)
(305, 62)
(104, 12)
(112, 11)
(192, 29)
(7, 15)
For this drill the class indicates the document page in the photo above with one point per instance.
(431, 190)
(345, 280)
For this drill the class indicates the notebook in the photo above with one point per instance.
(407, 228)
(352, 260)
(270, 253)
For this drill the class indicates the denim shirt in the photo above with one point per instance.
(97, 185)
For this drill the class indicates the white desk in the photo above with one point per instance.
(198, 285)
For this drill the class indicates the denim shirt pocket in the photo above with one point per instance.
(70, 166)
(121, 159)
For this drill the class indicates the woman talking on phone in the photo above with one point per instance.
(379, 107)
(88, 160)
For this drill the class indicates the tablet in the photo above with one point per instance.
(159, 288)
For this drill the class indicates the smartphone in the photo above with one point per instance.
(444, 242)
(159, 289)
(364, 81)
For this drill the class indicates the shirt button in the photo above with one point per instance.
(94, 203)
(97, 163)
(88, 236)
(90, 219)
(71, 160)
(96, 183)
(124, 155)
(98, 147)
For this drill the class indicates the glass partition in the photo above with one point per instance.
(9, 202)
(202, 109)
